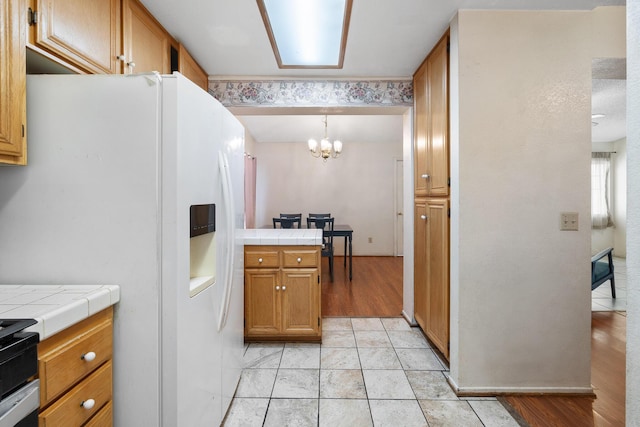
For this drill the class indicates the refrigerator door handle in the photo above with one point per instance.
(227, 198)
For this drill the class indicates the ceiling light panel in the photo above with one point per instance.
(307, 33)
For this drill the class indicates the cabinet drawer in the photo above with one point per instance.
(299, 258)
(104, 417)
(68, 410)
(61, 361)
(261, 259)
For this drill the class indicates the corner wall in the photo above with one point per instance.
(633, 214)
(520, 307)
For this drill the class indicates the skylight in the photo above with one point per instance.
(307, 33)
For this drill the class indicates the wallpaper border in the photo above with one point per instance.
(312, 93)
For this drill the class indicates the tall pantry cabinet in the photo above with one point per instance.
(432, 180)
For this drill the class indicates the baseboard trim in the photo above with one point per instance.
(501, 391)
(409, 319)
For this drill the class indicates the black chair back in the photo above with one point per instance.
(326, 224)
(319, 215)
(287, 222)
(291, 215)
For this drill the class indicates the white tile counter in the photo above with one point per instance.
(55, 307)
(282, 236)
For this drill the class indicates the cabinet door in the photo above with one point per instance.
(13, 82)
(147, 44)
(420, 129)
(191, 69)
(85, 33)
(437, 263)
(261, 301)
(420, 264)
(438, 124)
(300, 301)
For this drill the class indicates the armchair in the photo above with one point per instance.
(602, 270)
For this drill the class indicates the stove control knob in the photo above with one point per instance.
(89, 356)
(88, 404)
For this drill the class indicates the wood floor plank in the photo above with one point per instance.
(376, 288)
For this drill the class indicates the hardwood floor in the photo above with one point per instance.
(608, 358)
(376, 290)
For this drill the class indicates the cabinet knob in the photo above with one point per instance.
(131, 64)
(425, 176)
(423, 217)
(89, 357)
(284, 288)
(277, 288)
(120, 57)
(260, 260)
(299, 260)
(88, 404)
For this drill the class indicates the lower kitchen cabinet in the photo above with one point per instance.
(75, 371)
(431, 270)
(282, 293)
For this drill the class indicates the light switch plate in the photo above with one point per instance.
(569, 221)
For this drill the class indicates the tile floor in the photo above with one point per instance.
(367, 372)
(601, 297)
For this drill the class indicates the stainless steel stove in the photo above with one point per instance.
(19, 392)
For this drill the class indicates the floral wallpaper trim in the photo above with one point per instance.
(312, 93)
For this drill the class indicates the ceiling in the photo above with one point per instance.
(387, 39)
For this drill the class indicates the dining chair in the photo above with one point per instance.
(326, 224)
(286, 222)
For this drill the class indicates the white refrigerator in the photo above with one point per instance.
(114, 165)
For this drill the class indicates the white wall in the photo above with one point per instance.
(357, 189)
(633, 214)
(408, 261)
(620, 198)
(520, 307)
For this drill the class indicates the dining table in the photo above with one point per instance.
(345, 230)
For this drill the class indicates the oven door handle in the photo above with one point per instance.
(15, 407)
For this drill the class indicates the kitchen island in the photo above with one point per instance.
(282, 287)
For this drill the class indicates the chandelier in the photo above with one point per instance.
(326, 149)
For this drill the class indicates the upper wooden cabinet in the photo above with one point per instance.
(431, 130)
(13, 82)
(147, 46)
(191, 70)
(84, 33)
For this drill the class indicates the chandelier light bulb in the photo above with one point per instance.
(325, 149)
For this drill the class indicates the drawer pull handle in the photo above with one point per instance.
(88, 404)
(260, 260)
(277, 288)
(299, 260)
(284, 288)
(89, 357)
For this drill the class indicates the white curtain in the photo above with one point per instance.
(600, 190)
(250, 190)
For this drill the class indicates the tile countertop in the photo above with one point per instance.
(55, 307)
(280, 236)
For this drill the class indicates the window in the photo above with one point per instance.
(601, 190)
